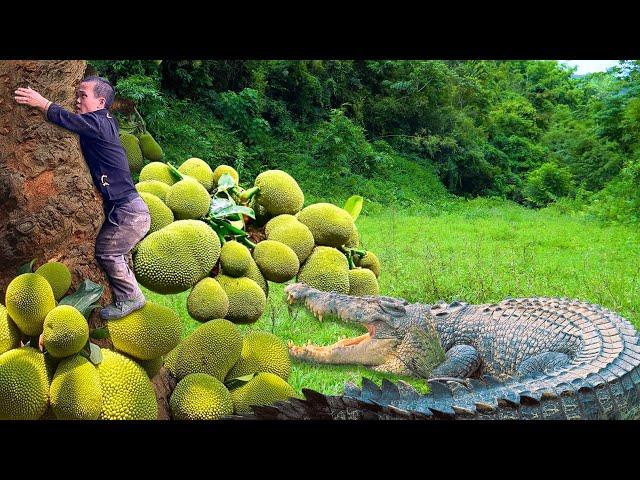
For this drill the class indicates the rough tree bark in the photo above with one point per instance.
(49, 207)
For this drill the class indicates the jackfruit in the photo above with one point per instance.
(198, 169)
(147, 333)
(75, 391)
(296, 236)
(221, 170)
(326, 269)
(354, 240)
(263, 389)
(161, 215)
(212, 348)
(207, 300)
(131, 146)
(9, 332)
(176, 257)
(280, 220)
(363, 283)
(127, 392)
(330, 225)
(277, 262)
(157, 171)
(151, 150)
(154, 187)
(200, 397)
(169, 360)
(235, 259)
(255, 274)
(247, 300)
(152, 367)
(369, 261)
(28, 299)
(58, 276)
(188, 199)
(66, 331)
(262, 352)
(278, 193)
(24, 386)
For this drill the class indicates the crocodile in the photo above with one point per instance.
(522, 358)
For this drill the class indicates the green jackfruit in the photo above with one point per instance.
(207, 300)
(277, 262)
(66, 331)
(263, 389)
(280, 220)
(147, 333)
(326, 269)
(176, 257)
(131, 146)
(169, 360)
(330, 225)
(75, 391)
(9, 332)
(58, 276)
(235, 259)
(154, 187)
(24, 385)
(369, 261)
(363, 282)
(212, 348)
(157, 171)
(161, 215)
(221, 170)
(279, 193)
(247, 300)
(28, 299)
(255, 274)
(151, 150)
(127, 392)
(296, 236)
(262, 352)
(200, 397)
(198, 169)
(151, 367)
(354, 239)
(188, 199)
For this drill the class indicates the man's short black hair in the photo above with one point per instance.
(102, 88)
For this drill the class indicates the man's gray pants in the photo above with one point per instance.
(124, 226)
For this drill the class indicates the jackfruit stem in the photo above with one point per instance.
(247, 194)
(248, 243)
(174, 171)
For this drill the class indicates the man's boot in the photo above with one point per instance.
(120, 309)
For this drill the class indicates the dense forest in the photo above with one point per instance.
(532, 132)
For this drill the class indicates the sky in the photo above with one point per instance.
(590, 66)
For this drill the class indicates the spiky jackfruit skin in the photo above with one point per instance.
(221, 170)
(131, 146)
(255, 274)
(212, 348)
(263, 389)
(235, 259)
(169, 360)
(158, 171)
(154, 187)
(279, 193)
(151, 150)
(127, 392)
(75, 391)
(188, 199)
(247, 300)
(277, 262)
(147, 333)
(296, 236)
(279, 221)
(28, 299)
(262, 352)
(200, 397)
(58, 276)
(65, 331)
(330, 225)
(363, 283)
(326, 269)
(176, 257)
(207, 300)
(369, 261)
(24, 386)
(152, 367)
(354, 240)
(198, 169)
(161, 215)
(9, 332)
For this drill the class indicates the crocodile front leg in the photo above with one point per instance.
(461, 361)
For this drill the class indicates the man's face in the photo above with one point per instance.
(86, 101)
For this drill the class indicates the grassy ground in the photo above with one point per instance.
(477, 251)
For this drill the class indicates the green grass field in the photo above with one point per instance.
(478, 251)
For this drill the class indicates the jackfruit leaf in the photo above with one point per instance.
(353, 205)
(27, 267)
(84, 298)
(99, 333)
(174, 171)
(234, 211)
(218, 203)
(225, 182)
(96, 354)
(239, 381)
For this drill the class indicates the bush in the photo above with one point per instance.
(547, 183)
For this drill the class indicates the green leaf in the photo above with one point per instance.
(233, 210)
(218, 204)
(27, 267)
(353, 205)
(239, 381)
(85, 297)
(174, 171)
(96, 354)
(225, 182)
(99, 333)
